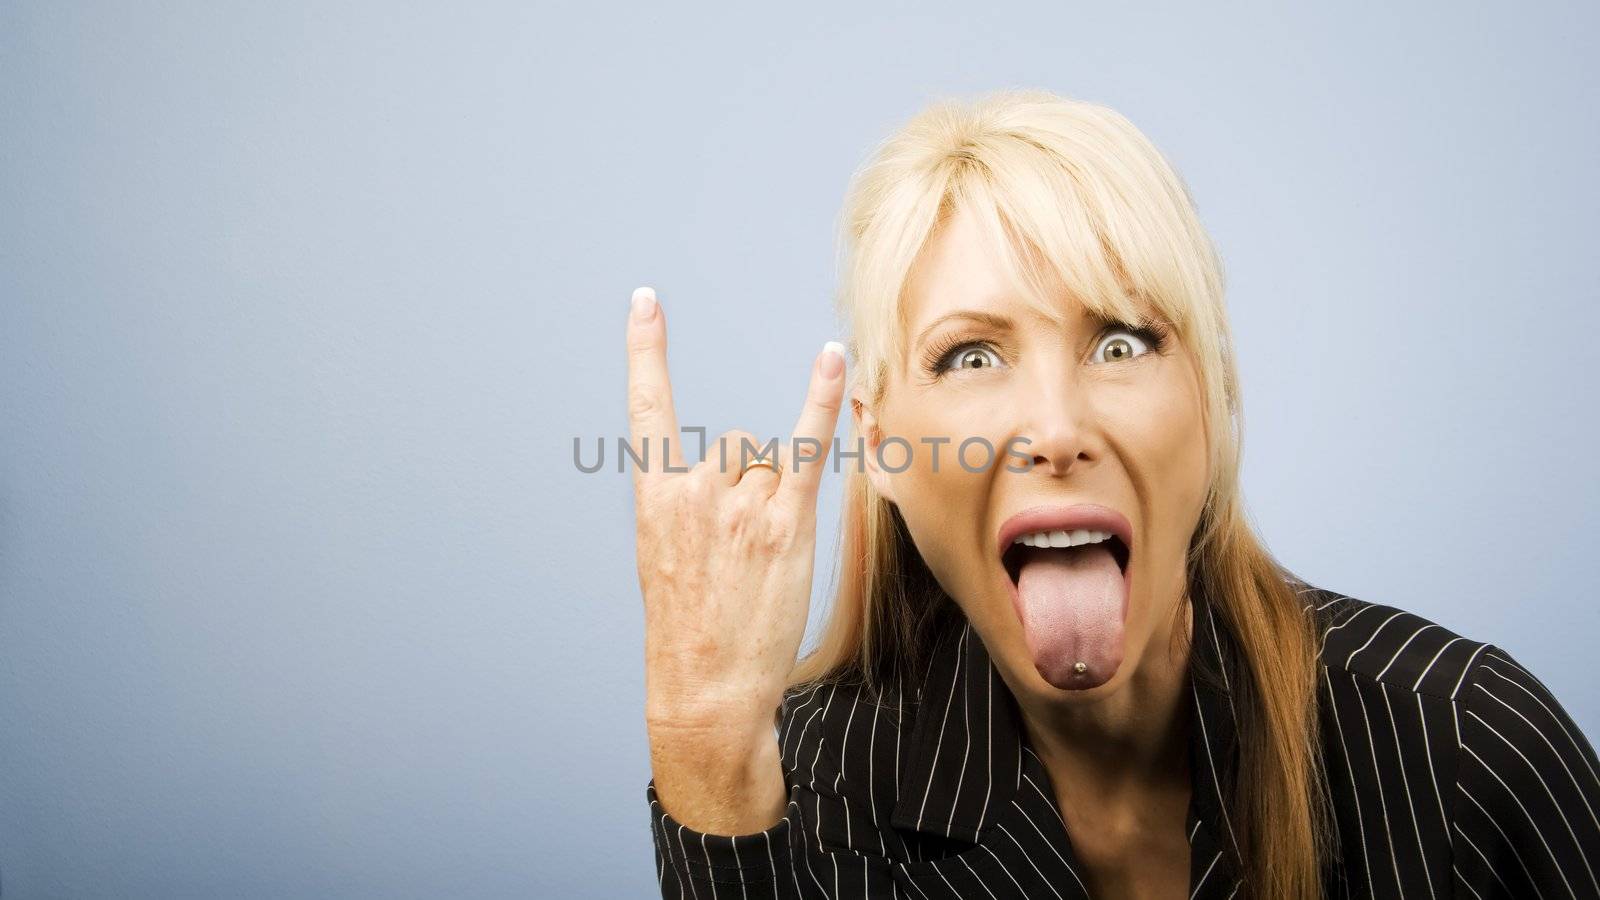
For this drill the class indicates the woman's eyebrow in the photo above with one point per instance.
(991, 320)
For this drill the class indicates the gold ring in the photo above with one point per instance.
(759, 463)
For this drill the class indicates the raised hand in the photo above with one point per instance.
(725, 560)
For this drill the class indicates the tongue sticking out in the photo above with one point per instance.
(1071, 602)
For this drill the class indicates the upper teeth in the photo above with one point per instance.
(1062, 538)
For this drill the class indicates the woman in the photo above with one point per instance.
(1066, 666)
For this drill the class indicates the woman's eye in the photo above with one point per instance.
(1120, 344)
(972, 356)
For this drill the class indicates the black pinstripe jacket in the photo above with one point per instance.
(1453, 772)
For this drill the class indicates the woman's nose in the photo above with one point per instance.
(1054, 424)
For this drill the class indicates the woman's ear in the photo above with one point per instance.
(872, 437)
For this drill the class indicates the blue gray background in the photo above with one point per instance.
(301, 307)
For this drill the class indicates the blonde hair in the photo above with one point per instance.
(1071, 193)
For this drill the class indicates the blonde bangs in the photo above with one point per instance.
(1050, 237)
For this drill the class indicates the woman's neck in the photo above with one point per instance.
(1130, 742)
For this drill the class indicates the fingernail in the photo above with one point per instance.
(832, 359)
(644, 303)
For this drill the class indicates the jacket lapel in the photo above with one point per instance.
(966, 745)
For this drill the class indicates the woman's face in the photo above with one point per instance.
(1109, 419)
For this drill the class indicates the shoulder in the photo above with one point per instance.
(1516, 782)
(1501, 716)
(1379, 643)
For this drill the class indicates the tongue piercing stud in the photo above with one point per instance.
(1079, 668)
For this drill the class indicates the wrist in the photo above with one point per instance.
(728, 716)
(721, 788)
(728, 736)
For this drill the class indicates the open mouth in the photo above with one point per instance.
(1035, 545)
(1070, 584)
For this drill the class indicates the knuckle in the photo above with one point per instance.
(743, 504)
(664, 569)
(736, 438)
(826, 401)
(737, 512)
(782, 531)
(642, 402)
(641, 341)
(658, 568)
(698, 487)
(704, 473)
(741, 446)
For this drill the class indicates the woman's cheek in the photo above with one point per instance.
(941, 494)
(1178, 429)
(1161, 428)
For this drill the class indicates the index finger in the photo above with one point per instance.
(817, 422)
(651, 419)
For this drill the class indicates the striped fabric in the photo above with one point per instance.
(1453, 773)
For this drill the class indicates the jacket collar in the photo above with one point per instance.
(969, 749)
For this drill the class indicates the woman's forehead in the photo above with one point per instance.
(958, 270)
(959, 273)
(954, 271)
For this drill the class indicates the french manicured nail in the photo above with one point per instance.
(644, 303)
(832, 359)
